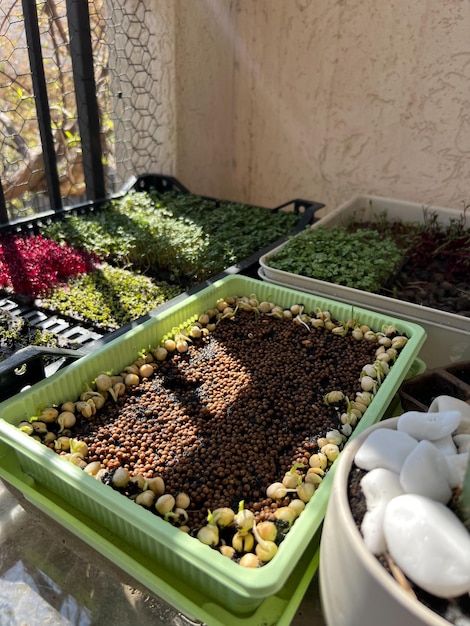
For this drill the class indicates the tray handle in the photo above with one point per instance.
(27, 366)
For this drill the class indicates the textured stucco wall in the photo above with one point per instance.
(277, 99)
(206, 33)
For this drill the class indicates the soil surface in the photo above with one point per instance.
(436, 267)
(455, 611)
(232, 414)
(428, 286)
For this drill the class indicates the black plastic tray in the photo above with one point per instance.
(417, 394)
(305, 209)
(29, 367)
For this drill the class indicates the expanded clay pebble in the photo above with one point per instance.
(232, 414)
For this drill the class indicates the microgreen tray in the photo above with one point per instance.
(188, 562)
(448, 333)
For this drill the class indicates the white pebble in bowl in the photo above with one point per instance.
(429, 543)
(429, 425)
(379, 486)
(424, 472)
(385, 448)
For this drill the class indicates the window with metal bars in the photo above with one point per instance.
(78, 101)
(51, 73)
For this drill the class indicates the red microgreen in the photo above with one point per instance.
(31, 265)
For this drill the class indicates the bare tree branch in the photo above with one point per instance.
(16, 138)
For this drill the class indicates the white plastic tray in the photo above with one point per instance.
(448, 334)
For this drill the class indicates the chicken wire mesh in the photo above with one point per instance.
(124, 48)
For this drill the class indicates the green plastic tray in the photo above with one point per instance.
(188, 562)
(278, 609)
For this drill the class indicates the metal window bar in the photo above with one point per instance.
(87, 104)
(42, 102)
(3, 207)
(85, 91)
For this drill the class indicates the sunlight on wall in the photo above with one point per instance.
(323, 100)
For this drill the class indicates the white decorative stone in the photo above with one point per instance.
(456, 468)
(425, 471)
(464, 426)
(429, 543)
(429, 425)
(445, 445)
(462, 442)
(373, 531)
(385, 448)
(379, 486)
(449, 403)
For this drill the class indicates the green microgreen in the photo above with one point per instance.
(360, 259)
(109, 297)
(182, 237)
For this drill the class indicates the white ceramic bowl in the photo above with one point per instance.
(355, 589)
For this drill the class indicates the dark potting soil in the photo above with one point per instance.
(429, 287)
(456, 611)
(435, 269)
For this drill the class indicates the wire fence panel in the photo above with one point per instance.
(140, 45)
(21, 166)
